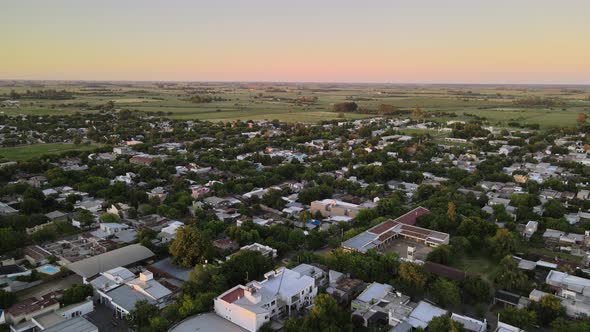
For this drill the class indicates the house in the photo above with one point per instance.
(258, 192)
(92, 205)
(504, 299)
(168, 233)
(127, 178)
(44, 313)
(367, 297)
(144, 159)
(563, 282)
(217, 202)
(122, 150)
(266, 251)
(503, 327)
(576, 306)
(120, 209)
(342, 287)
(332, 207)
(6, 210)
(423, 314)
(530, 229)
(57, 216)
(470, 324)
(12, 271)
(165, 268)
(583, 194)
(158, 193)
(75, 324)
(315, 272)
(108, 229)
(199, 191)
(226, 244)
(120, 290)
(380, 305)
(280, 293)
(36, 255)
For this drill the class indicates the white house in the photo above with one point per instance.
(168, 233)
(281, 292)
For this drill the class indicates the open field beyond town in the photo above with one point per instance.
(498, 105)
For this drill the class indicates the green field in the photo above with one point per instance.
(36, 150)
(266, 101)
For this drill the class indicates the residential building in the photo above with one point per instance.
(120, 290)
(266, 251)
(380, 305)
(283, 291)
(332, 208)
(342, 287)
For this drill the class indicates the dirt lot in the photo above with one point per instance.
(400, 247)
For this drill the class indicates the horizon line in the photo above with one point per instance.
(291, 82)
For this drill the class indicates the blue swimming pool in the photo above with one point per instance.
(48, 269)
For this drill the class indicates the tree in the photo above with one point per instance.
(553, 209)
(345, 107)
(274, 199)
(245, 266)
(503, 243)
(475, 290)
(85, 217)
(444, 323)
(445, 292)
(76, 293)
(548, 309)
(145, 236)
(441, 255)
(581, 118)
(412, 277)
(109, 218)
(326, 315)
(190, 247)
(158, 324)
(7, 299)
(567, 325)
(522, 318)
(509, 277)
(9, 240)
(296, 238)
(451, 212)
(142, 312)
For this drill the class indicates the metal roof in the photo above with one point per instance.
(77, 324)
(92, 266)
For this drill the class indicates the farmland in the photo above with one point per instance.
(310, 102)
(37, 150)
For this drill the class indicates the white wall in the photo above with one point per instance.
(78, 309)
(240, 316)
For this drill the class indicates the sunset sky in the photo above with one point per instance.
(400, 41)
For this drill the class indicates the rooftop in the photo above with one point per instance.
(119, 257)
(76, 324)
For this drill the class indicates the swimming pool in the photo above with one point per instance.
(48, 269)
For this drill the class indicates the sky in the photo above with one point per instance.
(393, 41)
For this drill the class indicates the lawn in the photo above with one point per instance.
(31, 151)
(479, 265)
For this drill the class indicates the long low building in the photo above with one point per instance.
(125, 256)
(382, 235)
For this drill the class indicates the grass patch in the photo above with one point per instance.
(478, 264)
(27, 152)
